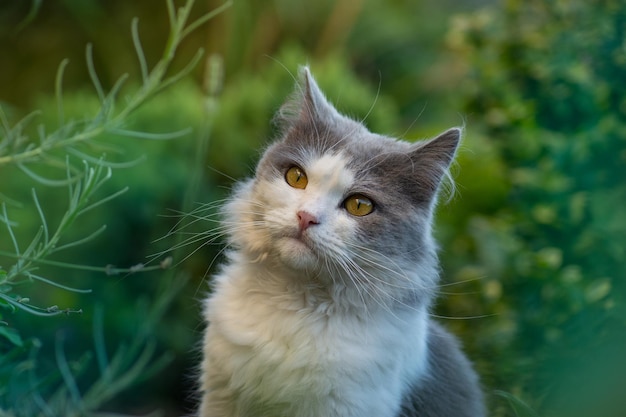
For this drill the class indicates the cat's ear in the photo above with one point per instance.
(314, 103)
(308, 104)
(432, 158)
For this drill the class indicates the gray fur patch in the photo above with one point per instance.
(451, 387)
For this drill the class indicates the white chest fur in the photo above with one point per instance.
(273, 352)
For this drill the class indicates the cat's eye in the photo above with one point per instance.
(358, 205)
(296, 177)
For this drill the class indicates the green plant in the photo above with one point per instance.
(17, 148)
(76, 150)
(544, 81)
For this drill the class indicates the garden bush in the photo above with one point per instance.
(543, 83)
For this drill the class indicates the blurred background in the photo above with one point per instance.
(532, 244)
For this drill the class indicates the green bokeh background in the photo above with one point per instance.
(533, 241)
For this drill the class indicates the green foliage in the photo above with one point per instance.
(27, 386)
(545, 80)
(18, 148)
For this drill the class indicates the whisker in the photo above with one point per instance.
(415, 119)
(397, 270)
(207, 237)
(222, 173)
(369, 111)
(206, 273)
(193, 252)
(465, 281)
(481, 316)
(364, 281)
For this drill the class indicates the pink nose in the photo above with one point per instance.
(306, 219)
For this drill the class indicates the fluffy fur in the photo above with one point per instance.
(329, 317)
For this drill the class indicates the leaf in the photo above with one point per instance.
(597, 290)
(11, 335)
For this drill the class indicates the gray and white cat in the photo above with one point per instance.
(322, 309)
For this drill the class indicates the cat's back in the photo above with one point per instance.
(451, 387)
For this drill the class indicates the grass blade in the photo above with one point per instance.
(66, 373)
(151, 136)
(82, 241)
(11, 234)
(139, 50)
(58, 88)
(93, 75)
(56, 284)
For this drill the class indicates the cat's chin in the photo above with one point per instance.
(296, 254)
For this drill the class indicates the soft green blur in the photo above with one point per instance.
(533, 240)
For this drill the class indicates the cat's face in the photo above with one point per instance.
(335, 202)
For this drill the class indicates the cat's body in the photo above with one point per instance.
(322, 309)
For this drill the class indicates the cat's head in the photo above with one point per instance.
(339, 204)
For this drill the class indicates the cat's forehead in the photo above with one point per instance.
(332, 154)
(330, 171)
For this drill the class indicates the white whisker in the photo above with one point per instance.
(481, 316)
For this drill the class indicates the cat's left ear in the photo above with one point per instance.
(432, 158)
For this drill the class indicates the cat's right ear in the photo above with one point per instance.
(314, 103)
(307, 105)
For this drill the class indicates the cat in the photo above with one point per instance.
(322, 307)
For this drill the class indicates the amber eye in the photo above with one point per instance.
(358, 205)
(296, 178)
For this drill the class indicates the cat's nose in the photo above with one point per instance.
(306, 219)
